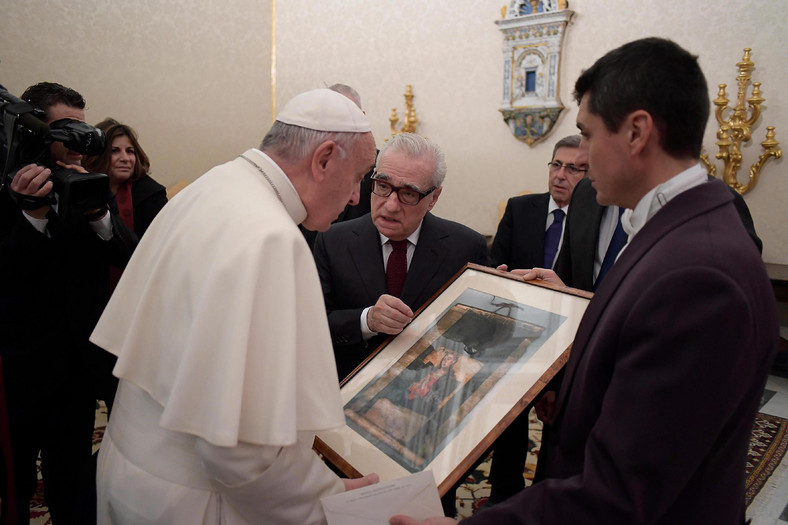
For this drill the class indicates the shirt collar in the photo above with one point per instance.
(633, 220)
(552, 206)
(413, 237)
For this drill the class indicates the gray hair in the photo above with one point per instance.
(415, 146)
(293, 143)
(349, 92)
(572, 141)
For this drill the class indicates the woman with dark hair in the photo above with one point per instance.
(139, 198)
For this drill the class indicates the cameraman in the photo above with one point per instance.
(54, 285)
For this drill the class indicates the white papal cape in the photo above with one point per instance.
(221, 335)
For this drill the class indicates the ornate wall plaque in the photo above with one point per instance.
(533, 32)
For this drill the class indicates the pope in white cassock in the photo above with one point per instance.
(224, 355)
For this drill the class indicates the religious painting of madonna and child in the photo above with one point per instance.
(415, 407)
(437, 395)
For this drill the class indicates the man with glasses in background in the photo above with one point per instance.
(529, 234)
(378, 269)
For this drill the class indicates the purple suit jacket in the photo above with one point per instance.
(655, 411)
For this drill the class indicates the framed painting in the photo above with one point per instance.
(437, 395)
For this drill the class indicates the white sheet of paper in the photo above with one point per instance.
(415, 496)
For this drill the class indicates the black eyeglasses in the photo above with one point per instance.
(405, 195)
(570, 168)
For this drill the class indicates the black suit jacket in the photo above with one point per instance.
(519, 241)
(654, 416)
(59, 288)
(575, 264)
(350, 264)
(60, 281)
(148, 197)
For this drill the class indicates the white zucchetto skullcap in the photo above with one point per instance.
(324, 110)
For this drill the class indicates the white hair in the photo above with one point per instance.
(416, 146)
(293, 143)
(349, 92)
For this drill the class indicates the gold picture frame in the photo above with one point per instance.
(438, 394)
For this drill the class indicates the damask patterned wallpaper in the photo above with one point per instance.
(191, 76)
(451, 53)
(194, 76)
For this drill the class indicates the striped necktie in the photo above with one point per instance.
(551, 238)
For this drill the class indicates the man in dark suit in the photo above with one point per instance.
(378, 269)
(531, 228)
(55, 287)
(353, 257)
(654, 415)
(587, 231)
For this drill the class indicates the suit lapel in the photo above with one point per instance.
(587, 231)
(426, 261)
(367, 258)
(594, 311)
(535, 223)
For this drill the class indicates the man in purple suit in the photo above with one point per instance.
(654, 414)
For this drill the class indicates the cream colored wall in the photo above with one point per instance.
(193, 77)
(451, 53)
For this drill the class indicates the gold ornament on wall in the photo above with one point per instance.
(737, 129)
(411, 122)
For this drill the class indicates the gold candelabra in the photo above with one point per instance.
(411, 122)
(738, 129)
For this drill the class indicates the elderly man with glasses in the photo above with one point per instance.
(529, 234)
(378, 269)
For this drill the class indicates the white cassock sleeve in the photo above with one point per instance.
(271, 484)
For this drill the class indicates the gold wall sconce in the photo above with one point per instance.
(737, 129)
(411, 122)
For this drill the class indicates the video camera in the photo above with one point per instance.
(25, 139)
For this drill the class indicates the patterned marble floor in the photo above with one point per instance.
(770, 506)
(476, 490)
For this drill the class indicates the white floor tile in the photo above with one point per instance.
(778, 403)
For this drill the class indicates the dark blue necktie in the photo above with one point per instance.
(616, 243)
(551, 238)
